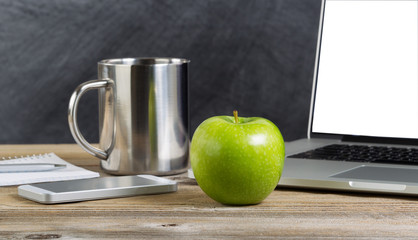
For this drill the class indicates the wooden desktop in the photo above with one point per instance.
(190, 214)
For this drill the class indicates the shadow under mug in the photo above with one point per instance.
(143, 116)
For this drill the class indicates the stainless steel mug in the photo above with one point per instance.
(143, 116)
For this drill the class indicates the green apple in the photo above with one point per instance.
(235, 160)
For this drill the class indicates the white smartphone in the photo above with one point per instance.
(96, 188)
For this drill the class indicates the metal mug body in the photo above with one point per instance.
(143, 116)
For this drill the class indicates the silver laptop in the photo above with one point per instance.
(363, 127)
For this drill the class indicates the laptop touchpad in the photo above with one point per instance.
(380, 174)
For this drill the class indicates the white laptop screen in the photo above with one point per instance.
(367, 74)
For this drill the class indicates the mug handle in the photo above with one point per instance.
(72, 115)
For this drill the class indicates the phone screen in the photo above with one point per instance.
(96, 184)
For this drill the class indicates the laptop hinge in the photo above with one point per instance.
(382, 140)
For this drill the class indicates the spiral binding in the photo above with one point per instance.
(34, 156)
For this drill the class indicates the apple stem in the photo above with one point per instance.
(236, 116)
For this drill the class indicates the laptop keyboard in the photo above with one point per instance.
(361, 153)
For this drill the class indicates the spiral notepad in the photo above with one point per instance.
(70, 172)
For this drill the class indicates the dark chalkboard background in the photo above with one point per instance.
(256, 56)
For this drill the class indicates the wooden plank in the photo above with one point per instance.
(189, 213)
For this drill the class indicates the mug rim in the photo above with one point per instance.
(143, 61)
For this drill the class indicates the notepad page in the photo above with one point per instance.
(70, 172)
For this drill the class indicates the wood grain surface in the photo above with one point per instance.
(190, 214)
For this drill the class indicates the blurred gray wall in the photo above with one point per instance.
(256, 56)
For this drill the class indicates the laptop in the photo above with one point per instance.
(363, 124)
